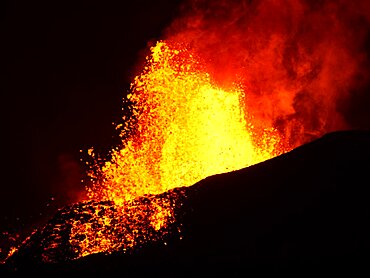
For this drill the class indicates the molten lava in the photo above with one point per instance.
(186, 128)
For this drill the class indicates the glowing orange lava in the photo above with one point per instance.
(185, 129)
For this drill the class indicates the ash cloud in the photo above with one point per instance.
(304, 66)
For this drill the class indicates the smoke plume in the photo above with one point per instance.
(301, 63)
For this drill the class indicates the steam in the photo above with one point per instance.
(68, 186)
(299, 63)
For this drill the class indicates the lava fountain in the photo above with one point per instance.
(185, 129)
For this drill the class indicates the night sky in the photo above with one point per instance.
(66, 66)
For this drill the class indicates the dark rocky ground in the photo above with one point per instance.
(302, 213)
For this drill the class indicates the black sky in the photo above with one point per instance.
(66, 65)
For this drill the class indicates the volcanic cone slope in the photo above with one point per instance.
(301, 212)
